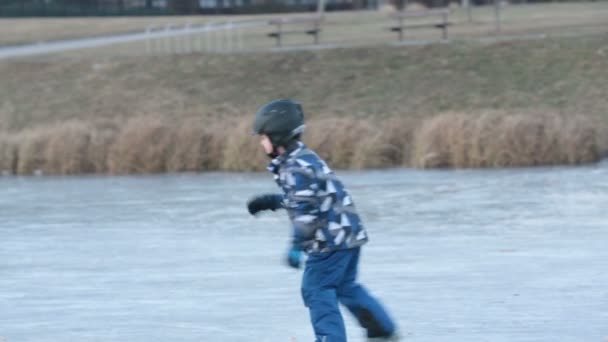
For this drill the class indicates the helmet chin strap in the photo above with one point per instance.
(275, 151)
(273, 154)
(275, 147)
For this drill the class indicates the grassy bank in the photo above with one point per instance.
(509, 104)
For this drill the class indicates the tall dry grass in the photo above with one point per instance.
(501, 140)
(450, 140)
(242, 151)
(348, 143)
(8, 154)
(197, 145)
(142, 146)
(58, 149)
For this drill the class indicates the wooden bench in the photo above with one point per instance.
(314, 29)
(403, 21)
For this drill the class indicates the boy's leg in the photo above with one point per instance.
(322, 276)
(325, 316)
(368, 311)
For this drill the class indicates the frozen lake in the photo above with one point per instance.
(500, 255)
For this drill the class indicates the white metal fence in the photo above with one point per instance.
(211, 37)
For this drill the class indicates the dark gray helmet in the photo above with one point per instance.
(280, 120)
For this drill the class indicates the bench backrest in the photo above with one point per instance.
(421, 13)
(296, 20)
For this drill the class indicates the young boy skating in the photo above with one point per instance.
(326, 226)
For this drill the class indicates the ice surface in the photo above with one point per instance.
(495, 255)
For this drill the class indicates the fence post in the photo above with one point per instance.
(497, 15)
(148, 38)
(467, 4)
(158, 43)
(320, 7)
(187, 39)
(218, 40)
(197, 40)
(167, 39)
(445, 26)
(239, 37)
(228, 29)
(207, 35)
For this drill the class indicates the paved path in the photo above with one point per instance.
(66, 45)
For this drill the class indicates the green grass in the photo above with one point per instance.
(567, 75)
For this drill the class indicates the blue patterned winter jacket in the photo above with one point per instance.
(322, 211)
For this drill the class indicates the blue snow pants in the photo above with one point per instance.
(330, 278)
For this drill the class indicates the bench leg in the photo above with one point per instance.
(402, 28)
(445, 27)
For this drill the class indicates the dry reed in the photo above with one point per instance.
(449, 140)
(498, 140)
(8, 155)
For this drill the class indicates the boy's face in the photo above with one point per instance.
(266, 144)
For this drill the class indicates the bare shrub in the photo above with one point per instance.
(242, 151)
(501, 140)
(141, 146)
(8, 154)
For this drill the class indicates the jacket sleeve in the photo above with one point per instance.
(303, 201)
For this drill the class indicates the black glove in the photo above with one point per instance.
(264, 202)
